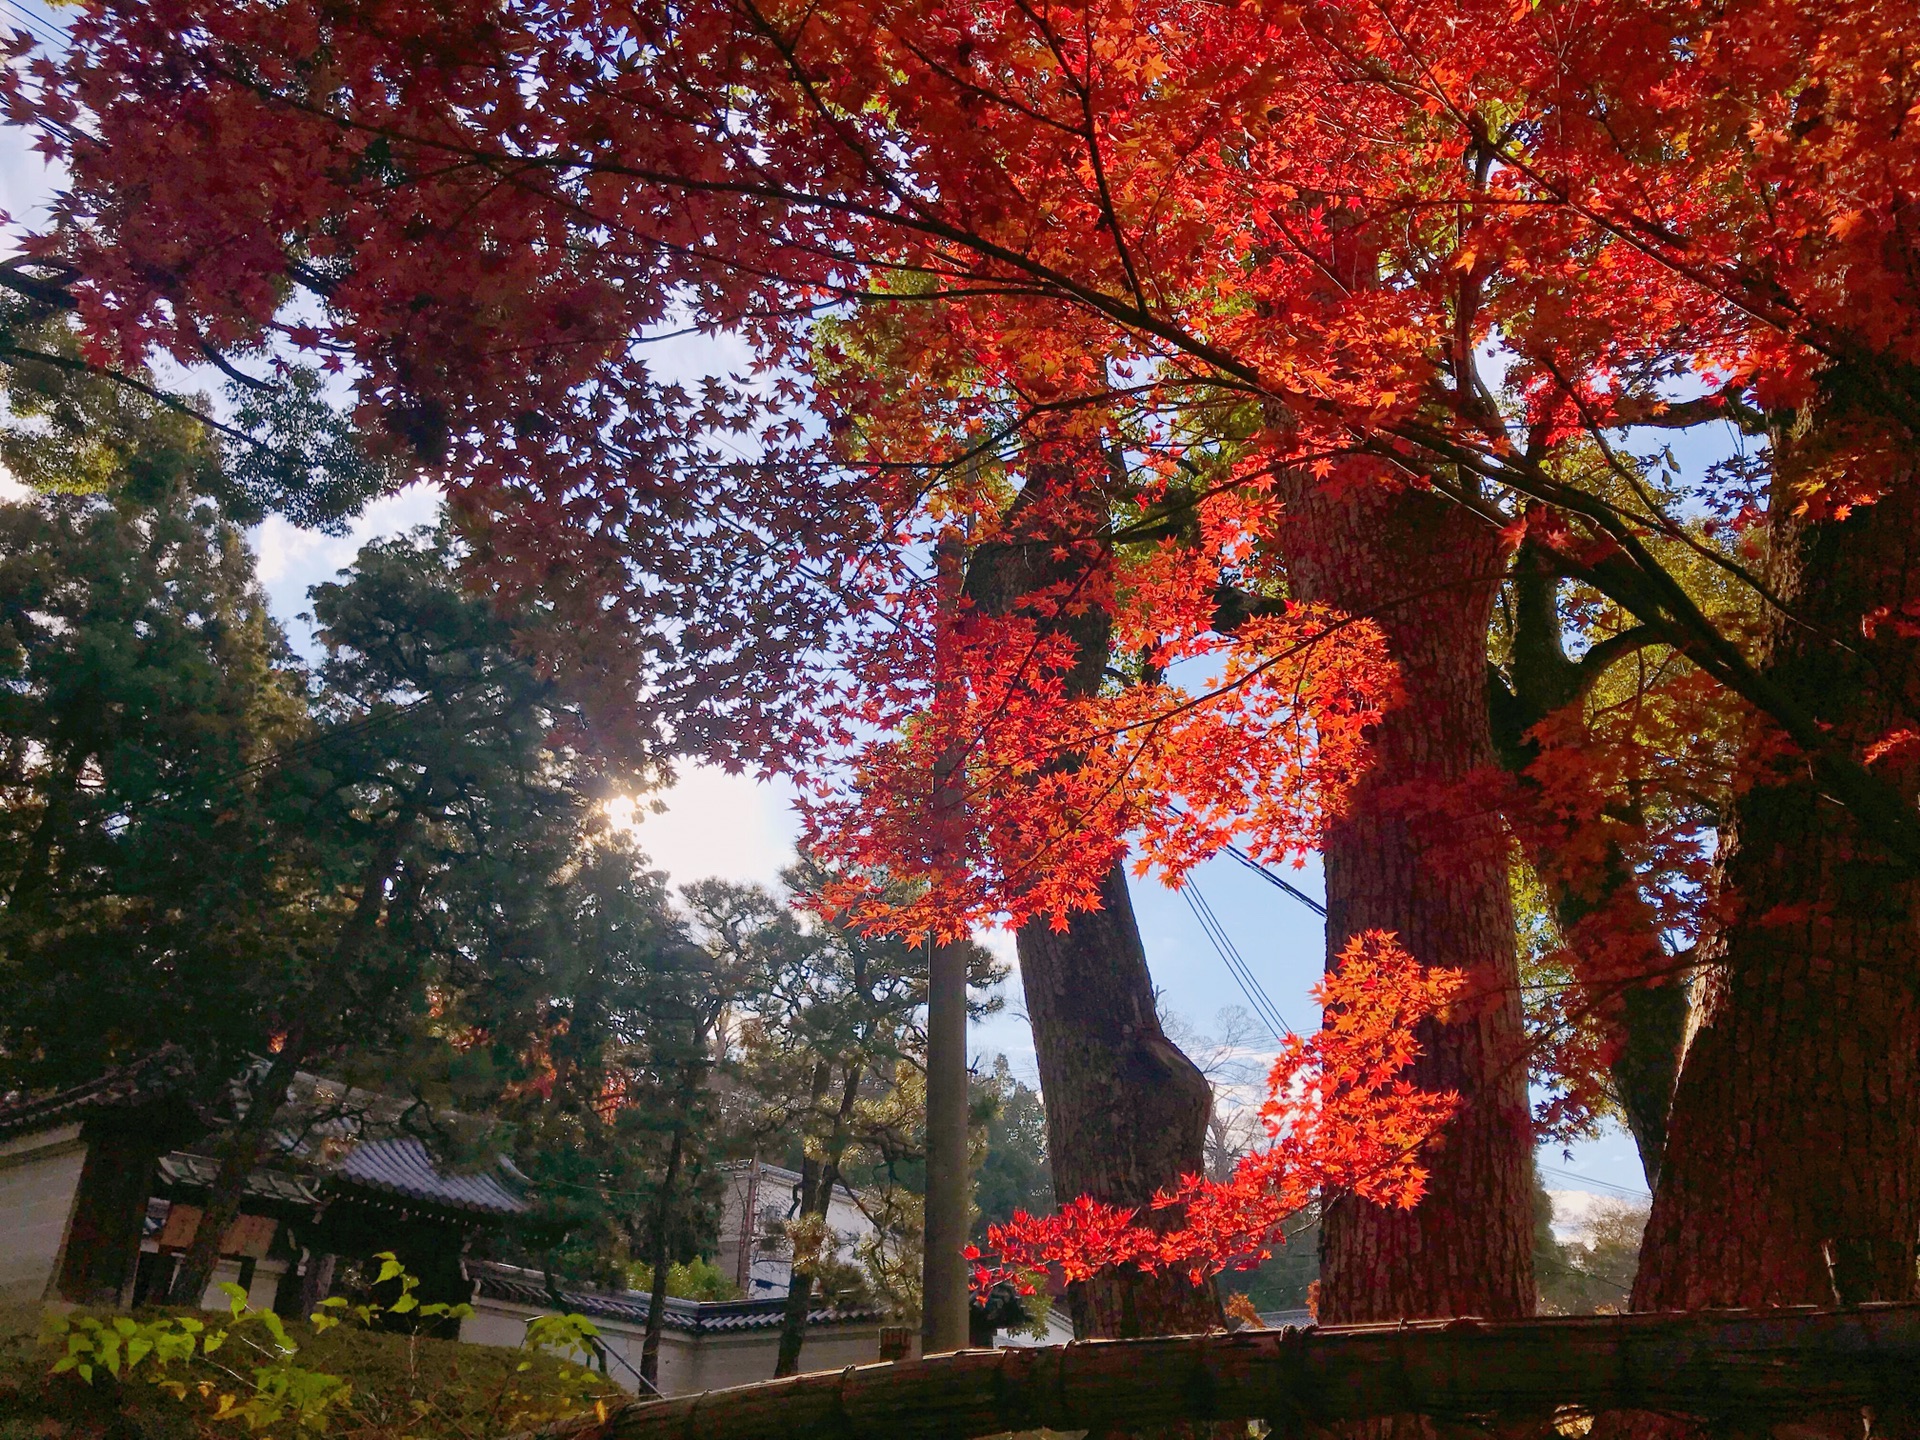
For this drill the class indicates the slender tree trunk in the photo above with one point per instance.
(793, 1319)
(239, 1153)
(793, 1322)
(248, 1137)
(1646, 1021)
(660, 1257)
(1126, 1110)
(817, 1179)
(943, 1290)
(659, 1247)
(1427, 573)
(1793, 1158)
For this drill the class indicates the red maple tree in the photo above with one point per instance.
(1266, 261)
(1340, 1118)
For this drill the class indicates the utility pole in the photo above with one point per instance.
(943, 1324)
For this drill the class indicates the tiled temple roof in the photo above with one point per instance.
(404, 1168)
(696, 1317)
(161, 1074)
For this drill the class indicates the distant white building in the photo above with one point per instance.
(752, 1250)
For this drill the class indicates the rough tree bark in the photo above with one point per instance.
(1427, 573)
(1126, 1110)
(1793, 1158)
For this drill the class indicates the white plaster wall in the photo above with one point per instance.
(39, 1176)
(688, 1364)
(767, 1274)
(1059, 1331)
(266, 1278)
(741, 1359)
(493, 1323)
(503, 1323)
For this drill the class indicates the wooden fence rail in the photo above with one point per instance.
(1717, 1365)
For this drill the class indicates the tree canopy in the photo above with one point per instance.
(1139, 413)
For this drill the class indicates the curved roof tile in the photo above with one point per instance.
(697, 1317)
(160, 1074)
(404, 1167)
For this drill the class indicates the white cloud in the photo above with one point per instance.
(291, 561)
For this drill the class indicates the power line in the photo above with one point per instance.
(1273, 878)
(1236, 963)
(1626, 1192)
(45, 29)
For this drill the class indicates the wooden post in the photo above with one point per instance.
(102, 1248)
(1721, 1367)
(943, 1324)
(896, 1342)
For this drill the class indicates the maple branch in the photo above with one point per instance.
(1727, 404)
(1633, 578)
(9, 350)
(914, 219)
(1603, 652)
(1657, 518)
(54, 294)
(239, 377)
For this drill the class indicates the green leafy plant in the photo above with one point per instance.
(333, 1309)
(253, 1380)
(697, 1279)
(241, 1368)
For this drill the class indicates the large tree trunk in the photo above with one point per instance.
(1126, 1111)
(1427, 573)
(1793, 1157)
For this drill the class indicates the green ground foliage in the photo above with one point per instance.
(343, 1381)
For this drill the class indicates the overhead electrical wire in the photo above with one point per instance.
(43, 27)
(1236, 963)
(1625, 1192)
(1273, 878)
